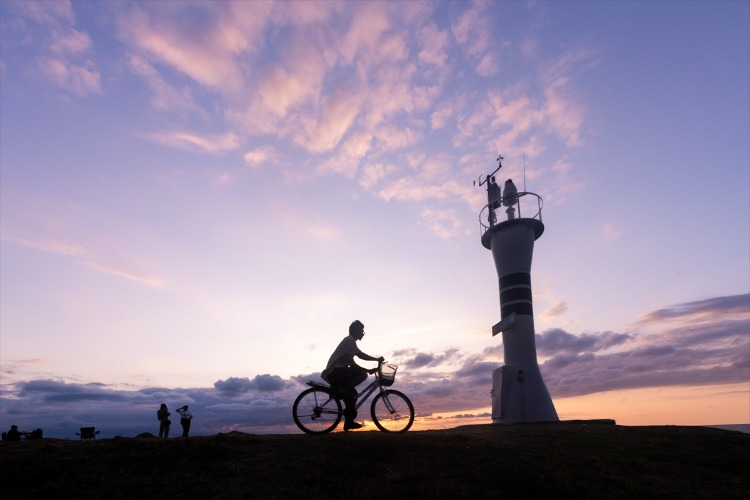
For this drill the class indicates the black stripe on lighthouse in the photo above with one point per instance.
(515, 294)
(514, 279)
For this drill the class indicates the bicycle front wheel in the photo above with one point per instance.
(315, 411)
(392, 412)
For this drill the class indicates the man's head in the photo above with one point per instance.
(357, 329)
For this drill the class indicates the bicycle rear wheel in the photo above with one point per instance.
(392, 412)
(316, 411)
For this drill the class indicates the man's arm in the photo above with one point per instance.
(367, 357)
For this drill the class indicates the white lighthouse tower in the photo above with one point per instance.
(518, 391)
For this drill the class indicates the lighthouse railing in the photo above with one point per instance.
(522, 203)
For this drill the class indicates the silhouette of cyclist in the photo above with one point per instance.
(344, 374)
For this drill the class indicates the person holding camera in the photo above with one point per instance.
(185, 418)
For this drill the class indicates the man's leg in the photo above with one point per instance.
(355, 376)
(344, 380)
(350, 407)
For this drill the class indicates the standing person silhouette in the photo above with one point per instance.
(344, 374)
(185, 418)
(13, 434)
(163, 415)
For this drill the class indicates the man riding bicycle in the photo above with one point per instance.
(344, 374)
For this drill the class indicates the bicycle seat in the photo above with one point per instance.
(319, 385)
(336, 392)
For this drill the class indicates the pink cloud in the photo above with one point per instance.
(364, 37)
(163, 95)
(212, 144)
(260, 156)
(337, 115)
(81, 80)
(556, 310)
(71, 42)
(207, 54)
(88, 257)
(48, 13)
(433, 45)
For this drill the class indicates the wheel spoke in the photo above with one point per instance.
(392, 412)
(316, 412)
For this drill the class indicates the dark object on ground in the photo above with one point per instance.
(575, 460)
(15, 435)
(35, 434)
(88, 433)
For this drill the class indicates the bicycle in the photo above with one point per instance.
(318, 410)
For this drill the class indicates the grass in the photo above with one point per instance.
(579, 460)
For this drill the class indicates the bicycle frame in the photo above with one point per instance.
(364, 395)
(361, 398)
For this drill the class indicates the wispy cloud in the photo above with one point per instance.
(732, 307)
(352, 99)
(472, 31)
(445, 223)
(164, 96)
(87, 257)
(610, 232)
(357, 100)
(65, 56)
(190, 140)
(205, 52)
(556, 310)
(261, 156)
(78, 79)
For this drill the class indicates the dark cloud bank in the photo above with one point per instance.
(696, 343)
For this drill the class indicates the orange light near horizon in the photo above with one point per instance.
(694, 405)
(438, 421)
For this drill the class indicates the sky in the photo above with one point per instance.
(197, 198)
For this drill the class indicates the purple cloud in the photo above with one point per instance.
(410, 358)
(555, 340)
(234, 386)
(730, 305)
(698, 343)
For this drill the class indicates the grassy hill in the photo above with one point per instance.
(479, 461)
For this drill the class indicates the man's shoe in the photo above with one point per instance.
(351, 425)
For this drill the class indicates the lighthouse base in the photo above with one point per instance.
(519, 395)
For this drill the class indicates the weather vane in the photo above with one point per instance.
(487, 178)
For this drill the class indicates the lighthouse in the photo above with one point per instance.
(518, 390)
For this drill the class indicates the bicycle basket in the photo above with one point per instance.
(387, 374)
